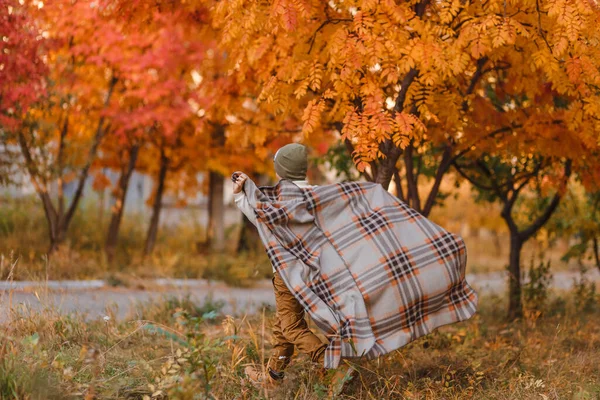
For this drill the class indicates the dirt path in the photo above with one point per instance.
(92, 298)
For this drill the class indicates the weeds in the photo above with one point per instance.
(23, 232)
(184, 351)
(535, 290)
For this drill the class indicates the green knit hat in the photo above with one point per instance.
(291, 162)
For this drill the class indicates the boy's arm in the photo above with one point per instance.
(241, 201)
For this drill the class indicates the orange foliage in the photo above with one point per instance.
(391, 74)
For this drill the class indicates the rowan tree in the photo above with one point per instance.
(534, 161)
(397, 80)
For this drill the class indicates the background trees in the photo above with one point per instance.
(414, 88)
(503, 94)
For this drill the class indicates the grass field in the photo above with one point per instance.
(23, 237)
(181, 351)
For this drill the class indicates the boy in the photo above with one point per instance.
(290, 329)
(373, 274)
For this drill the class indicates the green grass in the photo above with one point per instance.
(180, 350)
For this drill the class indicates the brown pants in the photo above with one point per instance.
(290, 329)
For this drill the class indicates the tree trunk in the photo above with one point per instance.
(596, 251)
(58, 234)
(216, 212)
(157, 206)
(444, 166)
(515, 307)
(497, 243)
(249, 237)
(112, 236)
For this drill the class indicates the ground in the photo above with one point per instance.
(175, 348)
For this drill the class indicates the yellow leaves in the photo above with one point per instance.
(448, 10)
(315, 76)
(357, 63)
(405, 123)
(381, 126)
(312, 81)
(506, 32)
(299, 70)
(406, 126)
(390, 74)
(312, 116)
(540, 58)
(268, 90)
(398, 13)
(329, 94)
(301, 89)
(261, 46)
(480, 45)
(590, 69)
(287, 13)
(560, 46)
(574, 69)
(363, 23)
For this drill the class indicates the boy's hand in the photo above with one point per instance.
(238, 179)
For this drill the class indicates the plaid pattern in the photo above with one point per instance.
(372, 273)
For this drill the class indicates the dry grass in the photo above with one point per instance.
(182, 351)
(23, 234)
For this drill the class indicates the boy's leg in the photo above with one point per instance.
(282, 349)
(292, 325)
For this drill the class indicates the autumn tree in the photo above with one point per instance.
(23, 77)
(157, 116)
(397, 79)
(21, 56)
(62, 133)
(120, 155)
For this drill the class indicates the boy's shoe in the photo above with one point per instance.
(260, 377)
(343, 374)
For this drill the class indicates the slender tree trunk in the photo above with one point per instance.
(497, 244)
(157, 206)
(249, 238)
(112, 236)
(399, 191)
(59, 218)
(216, 212)
(443, 168)
(515, 308)
(57, 236)
(386, 170)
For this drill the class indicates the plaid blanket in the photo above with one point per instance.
(372, 273)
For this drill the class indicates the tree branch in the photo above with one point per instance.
(488, 136)
(542, 219)
(399, 190)
(445, 164)
(313, 38)
(100, 130)
(474, 79)
(470, 179)
(41, 190)
(413, 189)
(59, 161)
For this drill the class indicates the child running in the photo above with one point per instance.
(289, 329)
